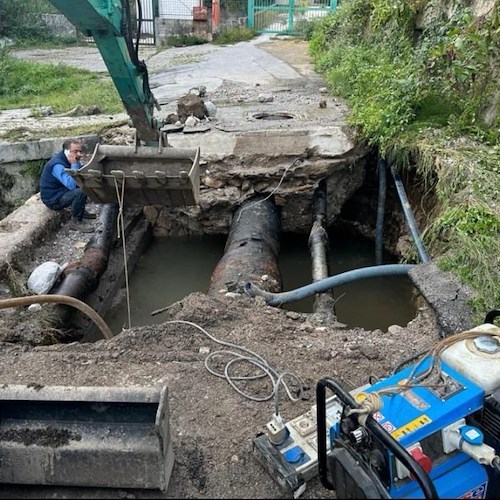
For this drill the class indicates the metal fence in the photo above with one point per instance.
(177, 9)
(143, 13)
(286, 16)
(144, 22)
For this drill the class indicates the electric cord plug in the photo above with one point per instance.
(277, 431)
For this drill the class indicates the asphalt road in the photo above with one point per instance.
(174, 71)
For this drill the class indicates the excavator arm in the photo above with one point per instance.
(108, 22)
(150, 173)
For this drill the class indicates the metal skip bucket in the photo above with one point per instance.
(146, 175)
(112, 437)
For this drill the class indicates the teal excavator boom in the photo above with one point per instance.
(108, 22)
(150, 172)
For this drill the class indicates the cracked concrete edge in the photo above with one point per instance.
(448, 298)
(39, 150)
(23, 229)
(216, 145)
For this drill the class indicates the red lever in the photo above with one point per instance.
(423, 460)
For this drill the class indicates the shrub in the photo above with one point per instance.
(233, 35)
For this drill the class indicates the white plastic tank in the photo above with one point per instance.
(478, 359)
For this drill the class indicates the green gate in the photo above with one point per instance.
(286, 16)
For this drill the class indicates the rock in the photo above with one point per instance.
(211, 109)
(395, 329)
(265, 98)
(35, 307)
(172, 119)
(369, 351)
(191, 105)
(323, 90)
(42, 279)
(92, 110)
(191, 121)
(212, 183)
(199, 91)
(42, 111)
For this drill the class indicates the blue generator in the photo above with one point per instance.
(430, 430)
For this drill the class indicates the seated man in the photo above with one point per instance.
(59, 190)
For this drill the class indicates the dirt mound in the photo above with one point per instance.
(212, 425)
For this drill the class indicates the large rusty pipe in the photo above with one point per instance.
(252, 249)
(81, 277)
(318, 248)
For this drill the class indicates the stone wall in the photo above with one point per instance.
(177, 27)
(433, 10)
(59, 25)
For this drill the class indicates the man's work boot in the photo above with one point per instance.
(89, 215)
(78, 225)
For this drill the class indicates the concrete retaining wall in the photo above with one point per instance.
(58, 25)
(176, 27)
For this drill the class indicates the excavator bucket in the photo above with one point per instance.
(110, 437)
(144, 175)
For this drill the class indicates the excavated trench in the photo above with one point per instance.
(196, 255)
(283, 202)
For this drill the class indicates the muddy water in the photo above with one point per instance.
(171, 269)
(167, 272)
(371, 303)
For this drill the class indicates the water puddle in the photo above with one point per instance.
(173, 268)
(168, 271)
(371, 303)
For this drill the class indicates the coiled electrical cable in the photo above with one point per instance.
(248, 356)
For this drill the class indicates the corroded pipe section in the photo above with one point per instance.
(252, 249)
(318, 247)
(81, 277)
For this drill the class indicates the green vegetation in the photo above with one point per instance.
(22, 21)
(426, 99)
(228, 36)
(28, 85)
(33, 168)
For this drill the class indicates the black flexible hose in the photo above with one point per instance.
(406, 361)
(379, 231)
(386, 439)
(494, 313)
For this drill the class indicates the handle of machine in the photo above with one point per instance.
(387, 440)
(494, 313)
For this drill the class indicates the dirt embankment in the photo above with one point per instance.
(212, 426)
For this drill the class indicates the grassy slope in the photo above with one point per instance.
(426, 100)
(28, 85)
